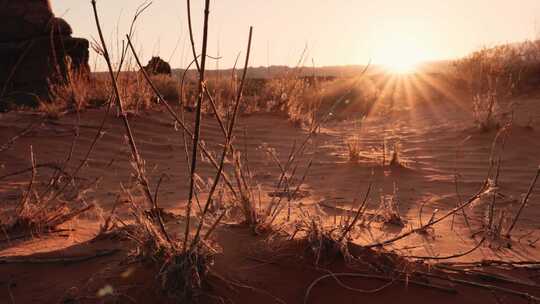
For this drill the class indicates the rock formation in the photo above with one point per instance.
(157, 66)
(36, 48)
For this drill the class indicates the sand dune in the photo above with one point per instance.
(436, 142)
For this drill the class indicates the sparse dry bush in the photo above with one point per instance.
(74, 92)
(303, 99)
(324, 241)
(493, 75)
(306, 101)
(359, 96)
(78, 91)
(389, 209)
(396, 160)
(44, 210)
(182, 269)
(353, 147)
(167, 86)
(257, 217)
(81, 90)
(134, 91)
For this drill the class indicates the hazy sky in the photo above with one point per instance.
(337, 32)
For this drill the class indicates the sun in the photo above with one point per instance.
(401, 67)
(402, 60)
(400, 54)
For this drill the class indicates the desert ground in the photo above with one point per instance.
(443, 159)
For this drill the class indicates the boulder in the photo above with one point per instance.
(36, 49)
(157, 66)
(24, 19)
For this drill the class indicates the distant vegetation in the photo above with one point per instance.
(487, 77)
(493, 75)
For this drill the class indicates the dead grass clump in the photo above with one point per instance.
(52, 110)
(167, 86)
(224, 89)
(183, 274)
(325, 242)
(74, 92)
(342, 98)
(334, 240)
(389, 209)
(486, 108)
(182, 270)
(492, 76)
(183, 267)
(77, 91)
(303, 99)
(358, 96)
(496, 232)
(136, 94)
(255, 216)
(35, 218)
(396, 161)
(353, 147)
(80, 91)
(41, 211)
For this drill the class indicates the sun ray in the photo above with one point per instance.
(439, 87)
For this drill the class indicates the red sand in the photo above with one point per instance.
(430, 136)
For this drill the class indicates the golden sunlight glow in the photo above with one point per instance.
(401, 59)
(401, 52)
(401, 67)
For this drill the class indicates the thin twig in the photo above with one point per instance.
(51, 166)
(358, 213)
(524, 201)
(457, 255)
(61, 260)
(484, 286)
(198, 116)
(27, 130)
(373, 276)
(24, 199)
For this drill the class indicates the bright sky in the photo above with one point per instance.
(337, 32)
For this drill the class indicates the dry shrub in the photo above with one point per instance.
(81, 90)
(36, 217)
(223, 88)
(500, 223)
(396, 161)
(184, 273)
(493, 75)
(136, 94)
(324, 241)
(358, 95)
(77, 91)
(263, 217)
(52, 110)
(389, 209)
(303, 99)
(254, 216)
(74, 93)
(307, 101)
(182, 270)
(353, 147)
(167, 86)
(45, 210)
